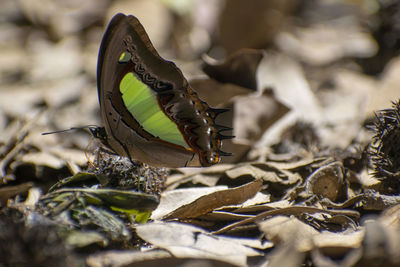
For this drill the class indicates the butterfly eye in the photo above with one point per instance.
(211, 157)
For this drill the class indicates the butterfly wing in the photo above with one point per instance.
(149, 111)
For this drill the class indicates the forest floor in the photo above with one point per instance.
(312, 89)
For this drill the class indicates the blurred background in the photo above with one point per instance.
(329, 63)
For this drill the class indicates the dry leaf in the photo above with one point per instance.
(388, 89)
(323, 43)
(337, 244)
(215, 200)
(217, 94)
(43, 159)
(284, 229)
(255, 113)
(185, 241)
(239, 68)
(295, 93)
(248, 170)
(172, 200)
(259, 22)
(123, 258)
(327, 181)
(286, 255)
(7, 192)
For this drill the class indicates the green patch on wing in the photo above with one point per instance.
(124, 57)
(143, 106)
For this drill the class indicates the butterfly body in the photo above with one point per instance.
(150, 112)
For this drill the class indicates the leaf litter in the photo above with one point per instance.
(314, 106)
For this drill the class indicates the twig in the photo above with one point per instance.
(287, 211)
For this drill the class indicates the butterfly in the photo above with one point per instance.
(149, 111)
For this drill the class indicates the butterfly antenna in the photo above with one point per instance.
(90, 127)
(56, 132)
